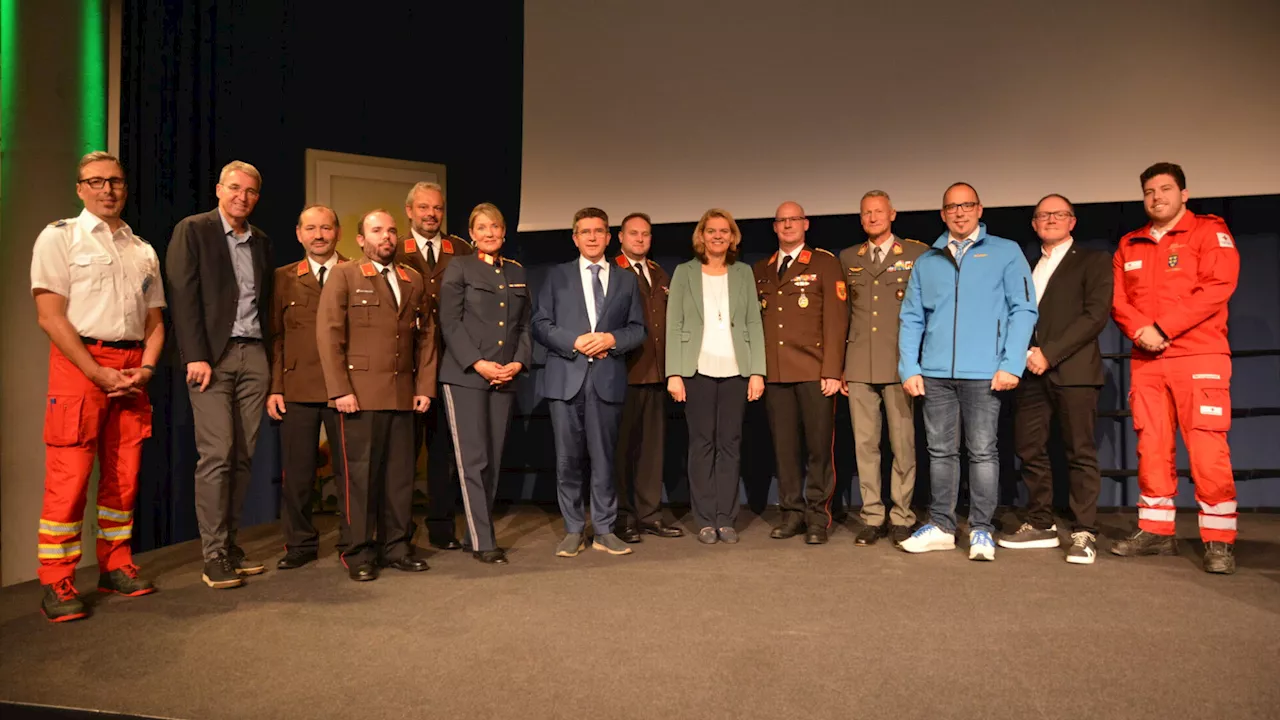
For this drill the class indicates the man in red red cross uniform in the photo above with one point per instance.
(98, 297)
(1173, 279)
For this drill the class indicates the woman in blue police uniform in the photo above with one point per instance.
(484, 319)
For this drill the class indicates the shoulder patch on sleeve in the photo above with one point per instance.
(1224, 240)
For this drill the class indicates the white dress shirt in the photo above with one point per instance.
(885, 246)
(584, 269)
(110, 279)
(1049, 261)
(972, 238)
(716, 357)
(391, 277)
(328, 264)
(778, 265)
(424, 242)
(644, 268)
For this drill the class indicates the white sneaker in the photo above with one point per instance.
(928, 538)
(981, 546)
(1083, 548)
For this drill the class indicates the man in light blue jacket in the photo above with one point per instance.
(967, 318)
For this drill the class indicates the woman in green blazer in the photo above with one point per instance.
(715, 362)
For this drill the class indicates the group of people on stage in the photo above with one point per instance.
(371, 347)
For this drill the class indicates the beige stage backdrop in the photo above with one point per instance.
(353, 185)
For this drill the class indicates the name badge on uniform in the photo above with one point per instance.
(515, 285)
(363, 290)
(1133, 265)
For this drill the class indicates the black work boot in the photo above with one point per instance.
(1219, 557)
(62, 603)
(1146, 543)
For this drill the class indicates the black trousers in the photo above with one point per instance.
(802, 422)
(1039, 402)
(478, 422)
(299, 448)
(377, 462)
(638, 461)
(713, 411)
(431, 431)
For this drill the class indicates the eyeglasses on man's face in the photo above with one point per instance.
(952, 208)
(789, 219)
(588, 232)
(1055, 214)
(236, 189)
(98, 182)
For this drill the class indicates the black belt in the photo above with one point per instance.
(117, 344)
(245, 340)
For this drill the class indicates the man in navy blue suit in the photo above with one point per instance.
(588, 318)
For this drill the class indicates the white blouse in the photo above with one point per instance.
(716, 358)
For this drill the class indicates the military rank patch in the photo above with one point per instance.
(842, 291)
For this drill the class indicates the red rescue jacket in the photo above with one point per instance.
(1181, 283)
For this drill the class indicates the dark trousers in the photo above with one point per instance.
(377, 463)
(1039, 402)
(713, 411)
(478, 422)
(431, 431)
(299, 448)
(227, 417)
(638, 464)
(586, 432)
(802, 423)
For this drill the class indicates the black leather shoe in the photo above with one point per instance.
(817, 535)
(628, 534)
(788, 528)
(295, 559)
(661, 529)
(445, 543)
(363, 572)
(408, 563)
(867, 536)
(899, 533)
(491, 557)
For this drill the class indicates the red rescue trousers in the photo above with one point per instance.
(81, 423)
(1193, 393)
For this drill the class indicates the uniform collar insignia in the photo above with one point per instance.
(410, 245)
(366, 269)
(773, 258)
(304, 267)
(622, 261)
(862, 251)
(804, 257)
(446, 246)
(490, 259)
(897, 248)
(400, 272)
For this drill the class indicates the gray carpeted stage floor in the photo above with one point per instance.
(764, 629)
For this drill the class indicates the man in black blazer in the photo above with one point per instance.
(220, 273)
(1073, 293)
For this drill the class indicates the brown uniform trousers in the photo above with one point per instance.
(430, 430)
(384, 353)
(639, 457)
(871, 370)
(805, 320)
(296, 374)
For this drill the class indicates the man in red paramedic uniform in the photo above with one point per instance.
(1173, 278)
(98, 297)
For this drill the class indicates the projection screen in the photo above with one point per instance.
(674, 106)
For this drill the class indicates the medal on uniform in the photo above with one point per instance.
(901, 293)
(803, 301)
(764, 303)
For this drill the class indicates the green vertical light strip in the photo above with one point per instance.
(93, 76)
(8, 74)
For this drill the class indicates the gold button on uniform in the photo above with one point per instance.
(502, 304)
(501, 324)
(499, 343)
(873, 329)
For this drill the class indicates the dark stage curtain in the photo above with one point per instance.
(206, 82)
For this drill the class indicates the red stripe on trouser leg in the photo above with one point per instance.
(1154, 422)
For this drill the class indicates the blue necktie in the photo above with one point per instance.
(597, 290)
(961, 247)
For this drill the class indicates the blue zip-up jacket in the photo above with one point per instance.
(967, 321)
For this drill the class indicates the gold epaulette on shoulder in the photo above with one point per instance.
(915, 241)
(455, 237)
(60, 223)
(824, 250)
(513, 262)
